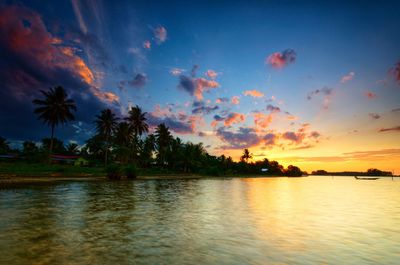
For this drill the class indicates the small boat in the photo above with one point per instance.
(361, 178)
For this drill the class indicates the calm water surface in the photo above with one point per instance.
(314, 220)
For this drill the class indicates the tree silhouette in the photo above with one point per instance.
(72, 149)
(4, 146)
(137, 120)
(163, 140)
(54, 109)
(246, 155)
(106, 124)
(123, 140)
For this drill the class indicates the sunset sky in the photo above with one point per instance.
(314, 84)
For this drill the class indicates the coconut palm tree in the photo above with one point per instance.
(163, 140)
(56, 108)
(106, 124)
(246, 155)
(72, 149)
(137, 119)
(123, 140)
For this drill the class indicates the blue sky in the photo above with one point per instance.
(339, 94)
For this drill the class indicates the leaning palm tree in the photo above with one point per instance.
(106, 124)
(54, 109)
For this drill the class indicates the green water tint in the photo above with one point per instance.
(314, 220)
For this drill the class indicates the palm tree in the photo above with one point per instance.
(72, 148)
(4, 146)
(54, 109)
(106, 124)
(163, 139)
(123, 139)
(148, 149)
(137, 120)
(246, 155)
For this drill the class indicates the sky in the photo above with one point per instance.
(310, 83)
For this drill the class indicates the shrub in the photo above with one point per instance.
(114, 172)
(130, 171)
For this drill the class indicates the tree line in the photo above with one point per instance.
(127, 141)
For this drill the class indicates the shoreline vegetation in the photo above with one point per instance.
(121, 147)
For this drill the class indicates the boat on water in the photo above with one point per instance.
(365, 178)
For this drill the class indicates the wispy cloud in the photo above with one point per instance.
(139, 80)
(390, 129)
(347, 78)
(374, 116)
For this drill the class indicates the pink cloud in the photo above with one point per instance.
(396, 71)
(262, 120)
(370, 95)
(202, 85)
(281, 59)
(253, 93)
(211, 74)
(233, 118)
(347, 77)
(147, 45)
(160, 33)
(235, 100)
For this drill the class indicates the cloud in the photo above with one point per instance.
(202, 109)
(221, 100)
(295, 137)
(211, 74)
(390, 129)
(395, 110)
(139, 80)
(147, 45)
(374, 116)
(273, 109)
(370, 95)
(270, 139)
(282, 59)
(233, 118)
(326, 92)
(35, 59)
(179, 122)
(196, 86)
(77, 10)
(176, 71)
(253, 93)
(242, 138)
(347, 78)
(396, 71)
(262, 120)
(235, 100)
(160, 34)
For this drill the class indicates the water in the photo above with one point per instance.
(314, 220)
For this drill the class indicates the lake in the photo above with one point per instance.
(312, 220)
